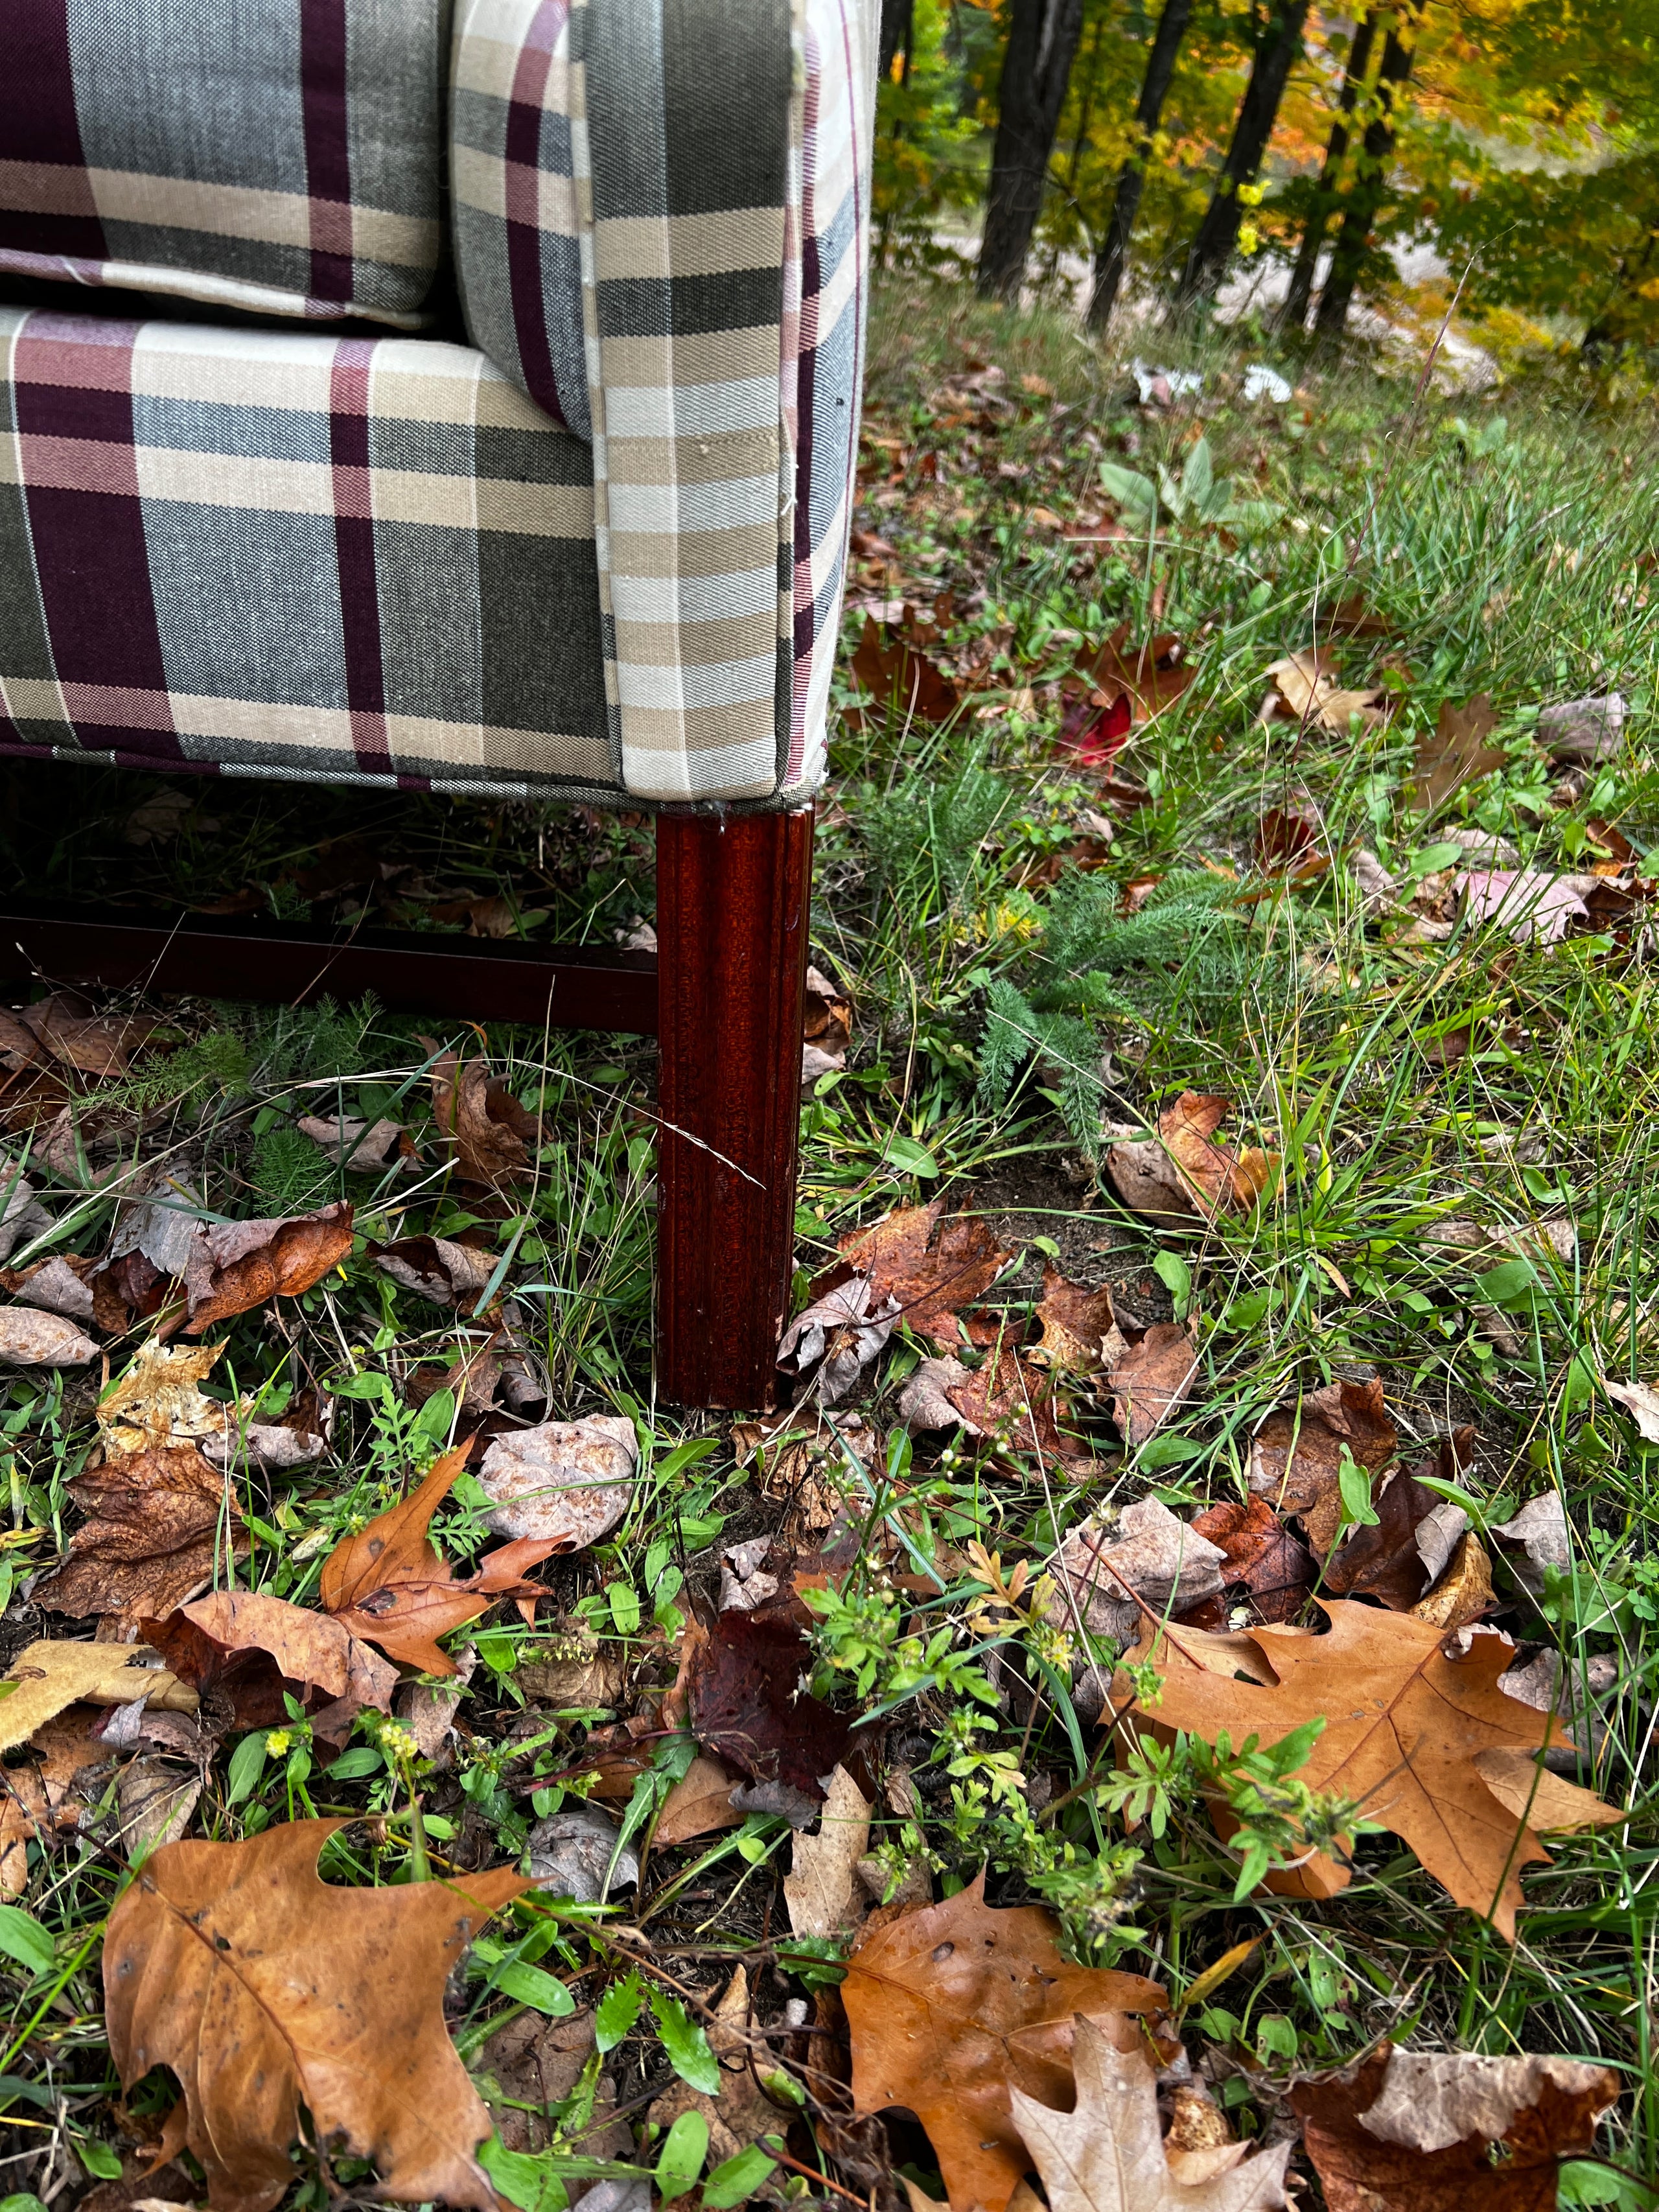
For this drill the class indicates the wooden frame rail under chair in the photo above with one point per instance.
(460, 399)
(724, 995)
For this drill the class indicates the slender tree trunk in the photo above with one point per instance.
(1112, 254)
(1370, 173)
(1300, 295)
(896, 16)
(1213, 248)
(1043, 40)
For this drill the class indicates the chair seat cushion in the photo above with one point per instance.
(339, 558)
(282, 155)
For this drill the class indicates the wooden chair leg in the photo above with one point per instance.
(732, 904)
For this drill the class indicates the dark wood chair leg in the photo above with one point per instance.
(732, 904)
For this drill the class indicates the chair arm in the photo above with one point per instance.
(661, 225)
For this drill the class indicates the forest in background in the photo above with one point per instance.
(1165, 149)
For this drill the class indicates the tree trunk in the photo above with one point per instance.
(1111, 256)
(1213, 248)
(1300, 295)
(1370, 174)
(896, 16)
(1043, 40)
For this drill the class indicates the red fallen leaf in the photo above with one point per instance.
(747, 1706)
(901, 680)
(389, 1585)
(1264, 1564)
(1283, 838)
(1096, 735)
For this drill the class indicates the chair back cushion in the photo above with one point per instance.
(282, 155)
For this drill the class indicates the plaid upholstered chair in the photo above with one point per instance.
(469, 405)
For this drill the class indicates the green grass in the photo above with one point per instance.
(1513, 561)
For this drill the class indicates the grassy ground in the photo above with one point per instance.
(1403, 1078)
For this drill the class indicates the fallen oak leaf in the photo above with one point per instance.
(361, 1147)
(1075, 1323)
(1457, 753)
(1108, 2155)
(262, 1986)
(746, 1705)
(956, 2006)
(30, 1336)
(1412, 2131)
(900, 679)
(821, 1889)
(437, 1268)
(1261, 1561)
(699, 1804)
(96, 1044)
(1182, 1172)
(1117, 1576)
(1151, 1379)
(1403, 1721)
(1016, 1407)
(1304, 690)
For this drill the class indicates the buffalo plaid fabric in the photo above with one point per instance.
(661, 230)
(282, 155)
(341, 559)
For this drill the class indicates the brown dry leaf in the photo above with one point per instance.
(1182, 1174)
(389, 1584)
(1641, 1401)
(1146, 1562)
(826, 1027)
(437, 1268)
(32, 1337)
(699, 1804)
(1151, 1380)
(1263, 1562)
(158, 1524)
(361, 1147)
(234, 1265)
(262, 1985)
(1457, 752)
(925, 1402)
(747, 1707)
(538, 2063)
(1075, 1322)
(1108, 2154)
(1149, 677)
(930, 1267)
(252, 1649)
(1412, 2132)
(1547, 1802)
(821, 1888)
(44, 1797)
(58, 1283)
(1288, 843)
(157, 1403)
(1305, 690)
(1017, 1405)
(575, 1673)
(900, 679)
(1382, 1559)
(1404, 1721)
(495, 1138)
(51, 1676)
(1464, 1592)
(97, 1044)
(1295, 1453)
(954, 2007)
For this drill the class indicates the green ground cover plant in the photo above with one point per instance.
(1053, 915)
